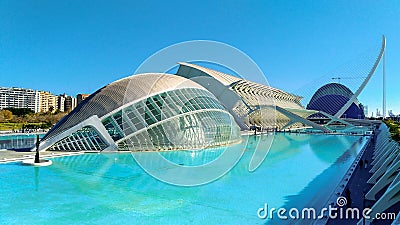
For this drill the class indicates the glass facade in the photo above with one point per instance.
(178, 119)
(186, 118)
(86, 138)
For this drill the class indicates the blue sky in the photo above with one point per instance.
(80, 46)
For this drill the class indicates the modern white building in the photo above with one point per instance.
(251, 103)
(145, 112)
(19, 98)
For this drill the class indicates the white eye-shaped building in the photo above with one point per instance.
(144, 112)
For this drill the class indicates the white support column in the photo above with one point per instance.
(384, 87)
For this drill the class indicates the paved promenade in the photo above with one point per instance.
(358, 186)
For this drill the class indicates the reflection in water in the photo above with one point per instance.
(193, 157)
(36, 169)
(323, 149)
(284, 146)
(169, 172)
(294, 173)
(18, 141)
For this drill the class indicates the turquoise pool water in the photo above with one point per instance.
(113, 189)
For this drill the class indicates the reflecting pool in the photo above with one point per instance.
(300, 170)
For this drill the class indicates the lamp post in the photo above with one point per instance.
(37, 149)
(37, 161)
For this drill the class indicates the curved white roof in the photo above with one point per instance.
(252, 93)
(224, 78)
(119, 93)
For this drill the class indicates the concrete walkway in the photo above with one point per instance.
(7, 156)
(358, 186)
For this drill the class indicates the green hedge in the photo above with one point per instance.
(394, 129)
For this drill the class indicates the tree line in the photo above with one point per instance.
(30, 119)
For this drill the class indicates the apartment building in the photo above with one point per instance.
(37, 101)
(20, 98)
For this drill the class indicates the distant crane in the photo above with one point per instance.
(346, 78)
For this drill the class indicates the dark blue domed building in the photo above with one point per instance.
(331, 97)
